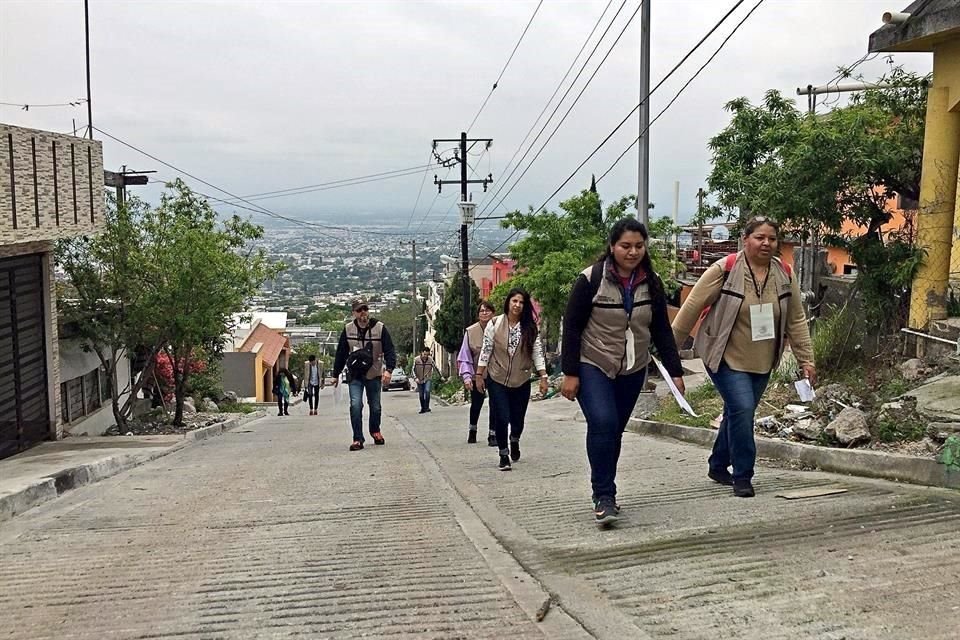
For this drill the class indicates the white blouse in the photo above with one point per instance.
(513, 342)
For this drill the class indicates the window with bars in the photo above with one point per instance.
(83, 395)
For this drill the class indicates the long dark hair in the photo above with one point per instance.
(528, 321)
(632, 224)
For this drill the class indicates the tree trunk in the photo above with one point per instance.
(181, 371)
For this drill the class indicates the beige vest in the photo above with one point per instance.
(509, 371)
(423, 369)
(604, 342)
(714, 332)
(475, 342)
(373, 336)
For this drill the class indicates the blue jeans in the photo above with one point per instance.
(424, 390)
(606, 405)
(734, 445)
(373, 388)
(508, 408)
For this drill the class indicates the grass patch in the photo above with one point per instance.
(236, 407)
(890, 431)
(705, 400)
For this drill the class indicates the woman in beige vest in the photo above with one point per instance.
(467, 361)
(511, 351)
(752, 304)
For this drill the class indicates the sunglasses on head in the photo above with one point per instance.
(364, 308)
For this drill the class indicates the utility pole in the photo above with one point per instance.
(643, 186)
(86, 28)
(120, 181)
(700, 195)
(416, 308)
(467, 210)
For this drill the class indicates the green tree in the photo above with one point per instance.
(199, 271)
(449, 321)
(814, 173)
(398, 319)
(303, 352)
(105, 298)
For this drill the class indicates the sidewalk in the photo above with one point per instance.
(47, 470)
(688, 560)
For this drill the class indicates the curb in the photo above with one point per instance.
(53, 486)
(871, 464)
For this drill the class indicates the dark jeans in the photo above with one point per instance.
(282, 404)
(734, 445)
(508, 406)
(606, 405)
(476, 404)
(423, 390)
(313, 396)
(373, 388)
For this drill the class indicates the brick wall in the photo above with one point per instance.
(51, 185)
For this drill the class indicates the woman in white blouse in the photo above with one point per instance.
(511, 351)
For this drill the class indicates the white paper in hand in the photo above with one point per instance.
(805, 391)
(673, 389)
(338, 394)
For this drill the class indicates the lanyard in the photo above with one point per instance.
(758, 288)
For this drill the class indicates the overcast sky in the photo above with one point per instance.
(259, 96)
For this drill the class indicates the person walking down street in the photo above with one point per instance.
(364, 348)
(467, 363)
(511, 350)
(313, 382)
(616, 310)
(750, 307)
(423, 368)
(284, 386)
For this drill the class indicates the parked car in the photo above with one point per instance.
(398, 380)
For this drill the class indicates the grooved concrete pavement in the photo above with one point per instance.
(688, 560)
(273, 530)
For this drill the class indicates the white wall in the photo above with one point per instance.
(74, 362)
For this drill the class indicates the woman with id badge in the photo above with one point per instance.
(749, 306)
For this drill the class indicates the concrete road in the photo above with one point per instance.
(275, 530)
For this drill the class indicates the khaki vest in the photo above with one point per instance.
(604, 341)
(423, 369)
(374, 336)
(510, 372)
(475, 342)
(714, 332)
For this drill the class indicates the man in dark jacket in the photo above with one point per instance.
(368, 371)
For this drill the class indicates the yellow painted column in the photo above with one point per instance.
(938, 189)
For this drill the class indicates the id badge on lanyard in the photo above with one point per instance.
(761, 322)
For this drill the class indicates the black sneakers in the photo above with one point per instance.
(492, 440)
(505, 463)
(472, 437)
(605, 511)
(722, 476)
(743, 489)
(515, 451)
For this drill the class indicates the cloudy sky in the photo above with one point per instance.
(261, 96)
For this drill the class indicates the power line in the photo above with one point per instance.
(569, 109)
(546, 123)
(26, 106)
(254, 207)
(420, 192)
(634, 110)
(685, 85)
(303, 191)
(341, 182)
(546, 106)
(507, 64)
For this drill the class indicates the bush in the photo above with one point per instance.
(836, 339)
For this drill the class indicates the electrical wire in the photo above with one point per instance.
(26, 106)
(546, 123)
(253, 207)
(682, 89)
(546, 106)
(634, 110)
(507, 64)
(420, 192)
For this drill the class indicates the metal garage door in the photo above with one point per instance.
(24, 412)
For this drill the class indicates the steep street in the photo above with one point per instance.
(275, 530)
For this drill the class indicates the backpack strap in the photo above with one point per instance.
(595, 278)
(728, 264)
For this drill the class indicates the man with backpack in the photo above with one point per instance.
(364, 348)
